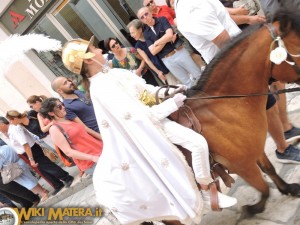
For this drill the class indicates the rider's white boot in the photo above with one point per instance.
(223, 200)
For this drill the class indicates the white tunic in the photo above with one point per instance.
(140, 174)
(201, 21)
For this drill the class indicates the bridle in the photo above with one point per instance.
(290, 57)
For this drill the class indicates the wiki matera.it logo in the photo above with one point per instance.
(8, 216)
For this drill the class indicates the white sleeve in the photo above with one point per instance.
(163, 110)
(207, 25)
(20, 135)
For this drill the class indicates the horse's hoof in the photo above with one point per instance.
(250, 210)
(245, 213)
(294, 190)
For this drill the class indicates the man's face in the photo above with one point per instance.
(66, 86)
(150, 4)
(3, 127)
(145, 16)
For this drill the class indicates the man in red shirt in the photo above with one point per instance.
(159, 11)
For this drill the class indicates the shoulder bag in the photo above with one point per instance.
(67, 161)
(11, 172)
(251, 5)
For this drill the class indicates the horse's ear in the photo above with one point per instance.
(285, 24)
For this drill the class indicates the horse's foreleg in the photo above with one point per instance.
(267, 167)
(252, 175)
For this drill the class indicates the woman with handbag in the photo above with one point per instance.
(71, 137)
(8, 157)
(30, 121)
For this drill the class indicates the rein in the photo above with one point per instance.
(167, 87)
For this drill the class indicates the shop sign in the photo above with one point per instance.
(22, 14)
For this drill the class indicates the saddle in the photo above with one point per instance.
(186, 117)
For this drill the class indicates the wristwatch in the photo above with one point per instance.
(31, 159)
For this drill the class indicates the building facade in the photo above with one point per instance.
(62, 20)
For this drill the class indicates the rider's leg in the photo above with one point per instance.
(193, 142)
(197, 145)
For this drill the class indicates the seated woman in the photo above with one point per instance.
(88, 149)
(26, 179)
(128, 58)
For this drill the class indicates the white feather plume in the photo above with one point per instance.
(14, 47)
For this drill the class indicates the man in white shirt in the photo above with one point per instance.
(206, 24)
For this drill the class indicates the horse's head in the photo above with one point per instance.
(285, 48)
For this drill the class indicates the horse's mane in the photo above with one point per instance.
(285, 15)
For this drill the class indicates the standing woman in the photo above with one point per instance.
(30, 122)
(156, 64)
(24, 144)
(36, 123)
(85, 149)
(128, 58)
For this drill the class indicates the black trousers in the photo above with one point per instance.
(149, 78)
(5, 200)
(18, 193)
(50, 171)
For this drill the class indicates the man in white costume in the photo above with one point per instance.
(140, 175)
(206, 24)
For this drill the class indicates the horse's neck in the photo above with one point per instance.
(243, 69)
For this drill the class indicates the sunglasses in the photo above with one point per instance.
(115, 44)
(144, 16)
(60, 106)
(150, 3)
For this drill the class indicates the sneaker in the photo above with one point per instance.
(290, 155)
(69, 182)
(292, 134)
(224, 200)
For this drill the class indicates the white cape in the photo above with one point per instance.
(140, 175)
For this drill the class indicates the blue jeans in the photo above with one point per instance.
(183, 67)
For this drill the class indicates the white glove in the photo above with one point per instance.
(179, 99)
(181, 88)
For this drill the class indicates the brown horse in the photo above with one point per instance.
(236, 128)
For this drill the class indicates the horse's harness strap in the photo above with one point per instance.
(214, 197)
(186, 117)
(272, 30)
